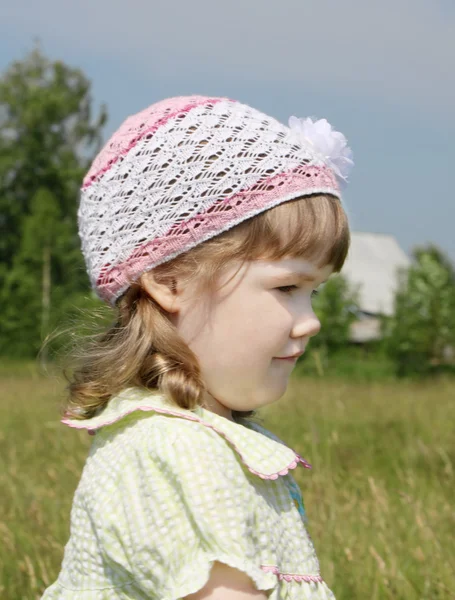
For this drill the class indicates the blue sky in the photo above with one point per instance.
(381, 73)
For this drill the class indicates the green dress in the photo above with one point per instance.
(166, 491)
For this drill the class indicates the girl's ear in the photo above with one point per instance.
(163, 290)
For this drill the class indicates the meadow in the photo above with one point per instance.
(380, 496)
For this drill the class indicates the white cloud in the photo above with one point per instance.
(402, 51)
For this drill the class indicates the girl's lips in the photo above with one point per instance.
(290, 357)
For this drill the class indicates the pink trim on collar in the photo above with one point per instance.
(292, 465)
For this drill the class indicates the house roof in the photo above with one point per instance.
(372, 263)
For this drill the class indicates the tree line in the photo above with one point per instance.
(49, 134)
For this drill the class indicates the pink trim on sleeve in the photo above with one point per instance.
(291, 576)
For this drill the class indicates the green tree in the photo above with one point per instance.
(422, 330)
(48, 137)
(32, 263)
(335, 306)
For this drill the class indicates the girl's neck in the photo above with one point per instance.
(212, 404)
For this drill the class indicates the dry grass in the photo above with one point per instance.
(379, 497)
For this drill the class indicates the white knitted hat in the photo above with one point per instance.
(186, 169)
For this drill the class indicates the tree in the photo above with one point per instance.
(335, 306)
(48, 138)
(422, 329)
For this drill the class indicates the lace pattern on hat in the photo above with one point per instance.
(182, 172)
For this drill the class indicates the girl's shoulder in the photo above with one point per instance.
(149, 421)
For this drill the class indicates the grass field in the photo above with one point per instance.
(380, 497)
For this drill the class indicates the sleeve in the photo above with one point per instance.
(187, 503)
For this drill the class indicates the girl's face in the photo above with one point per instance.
(240, 335)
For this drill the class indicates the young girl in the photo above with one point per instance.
(207, 225)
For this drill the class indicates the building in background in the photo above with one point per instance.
(371, 267)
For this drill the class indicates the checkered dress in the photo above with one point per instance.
(166, 491)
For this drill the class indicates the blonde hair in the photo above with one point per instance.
(143, 348)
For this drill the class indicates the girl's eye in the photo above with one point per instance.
(288, 288)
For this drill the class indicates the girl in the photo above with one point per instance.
(207, 225)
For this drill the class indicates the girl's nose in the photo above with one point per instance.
(307, 326)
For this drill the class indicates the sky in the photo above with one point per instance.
(382, 73)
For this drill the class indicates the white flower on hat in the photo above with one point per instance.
(331, 144)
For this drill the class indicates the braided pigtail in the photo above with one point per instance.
(143, 349)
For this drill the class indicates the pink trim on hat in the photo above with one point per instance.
(264, 194)
(291, 576)
(190, 417)
(138, 126)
